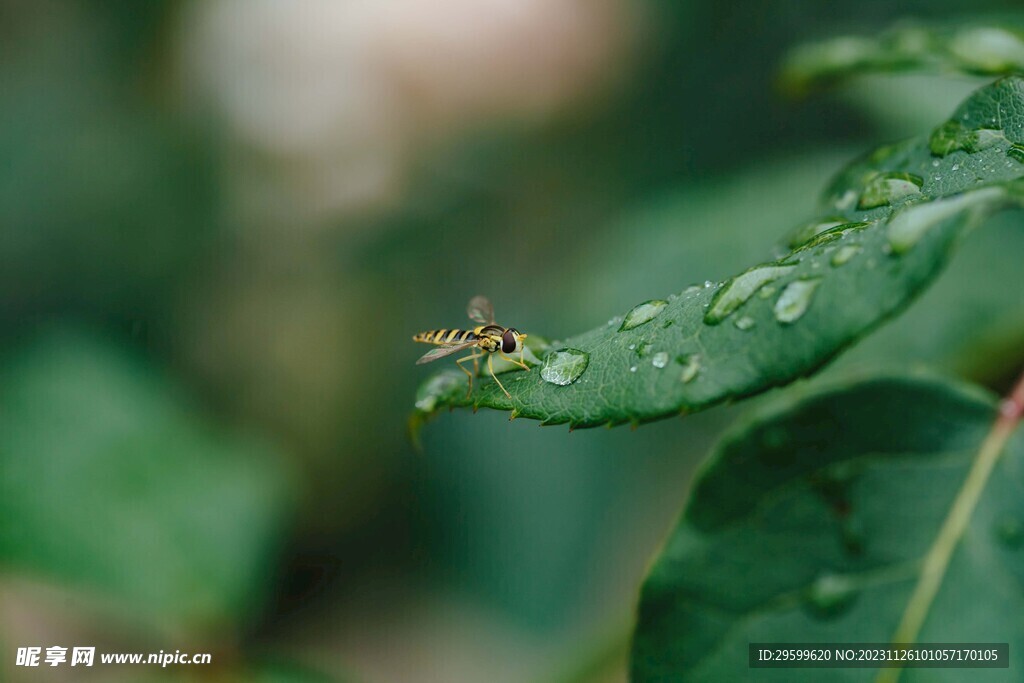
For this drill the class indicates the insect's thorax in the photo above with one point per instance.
(489, 337)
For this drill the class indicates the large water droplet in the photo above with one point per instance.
(985, 138)
(883, 153)
(812, 229)
(736, 292)
(832, 56)
(437, 387)
(795, 300)
(643, 313)
(1010, 531)
(660, 359)
(745, 323)
(564, 366)
(831, 594)
(888, 188)
(846, 200)
(833, 234)
(949, 137)
(953, 136)
(691, 366)
(908, 226)
(988, 49)
(844, 254)
(643, 349)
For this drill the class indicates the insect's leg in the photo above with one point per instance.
(475, 362)
(519, 362)
(490, 366)
(473, 358)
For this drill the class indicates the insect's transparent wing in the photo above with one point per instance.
(442, 351)
(480, 310)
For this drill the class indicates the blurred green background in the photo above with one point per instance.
(220, 223)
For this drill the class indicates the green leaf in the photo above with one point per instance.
(836, 501)
(285, 671)
(889, 222)
(110, 486)
(986, 49)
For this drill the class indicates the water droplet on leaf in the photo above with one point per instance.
(812, 229)
(691, 366)
(888, 188)
(643, 313)
(833, 234)
(745, 323)
(846, 200)
(736, 292)
(660, 359)
(564, 366)
(831, 594)
(954, 136)
(908, 226)
(988, 49)
(844, 254)
(883, 153)
(795, 300)
(438, 387)
(947, 138)
(985, 138)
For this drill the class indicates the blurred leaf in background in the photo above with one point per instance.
(105, 197)
(112, 486)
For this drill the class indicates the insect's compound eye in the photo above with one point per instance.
(508, 341)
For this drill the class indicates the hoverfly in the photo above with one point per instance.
(485, 340)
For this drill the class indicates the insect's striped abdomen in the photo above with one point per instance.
(445, 336)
